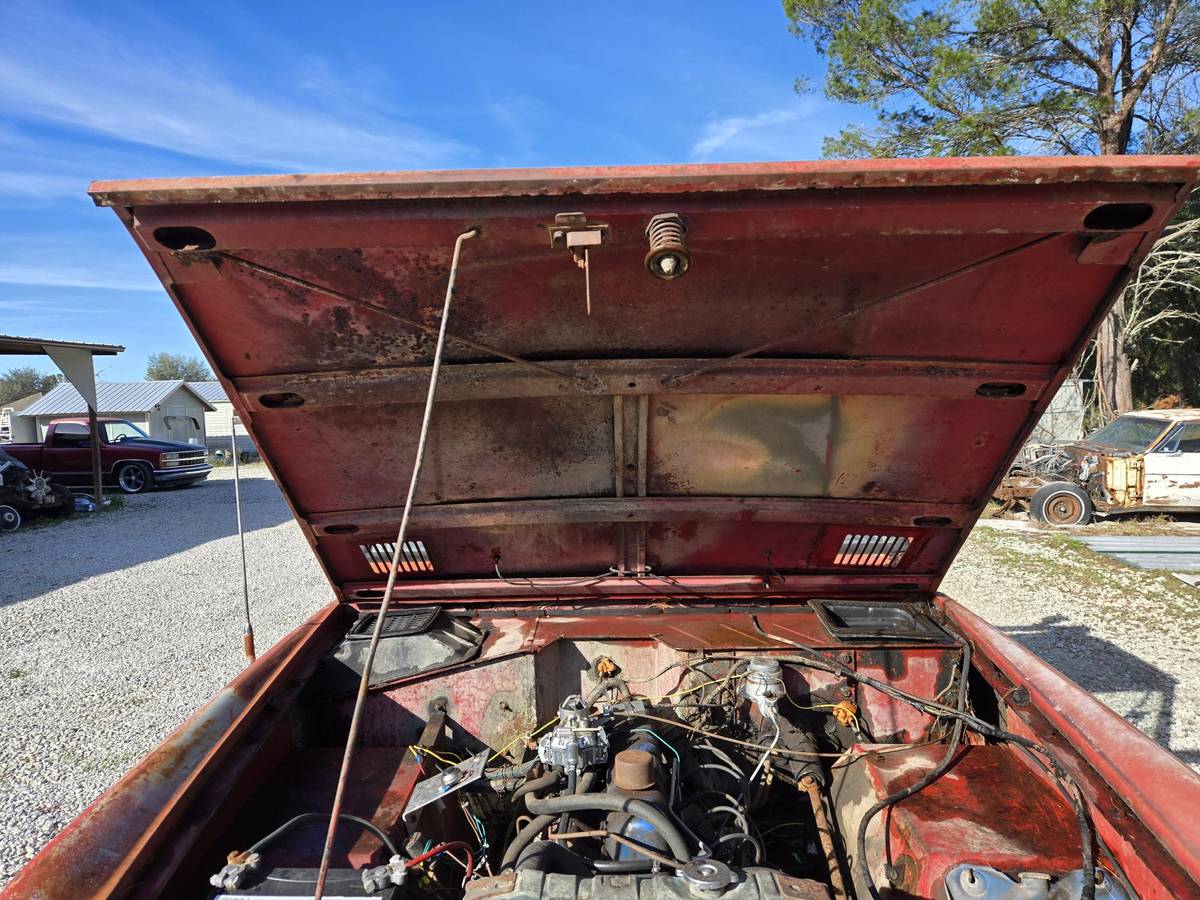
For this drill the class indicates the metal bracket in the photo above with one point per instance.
(573, 231)
(446, 782)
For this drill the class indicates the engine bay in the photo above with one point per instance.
(558, 755)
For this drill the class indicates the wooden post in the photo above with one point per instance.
(97, 479)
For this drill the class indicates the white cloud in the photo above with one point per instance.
(783, 133)
(46, 308)
(50, 316)
(73, 275)
(56, 69)
(74, 260)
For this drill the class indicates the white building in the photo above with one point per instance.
(218, 424)
(163, 409)
(14, 428)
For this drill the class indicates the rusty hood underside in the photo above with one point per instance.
(828, 395)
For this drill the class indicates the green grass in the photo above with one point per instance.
(1134, 596)
(1136, 525)
(14, 674)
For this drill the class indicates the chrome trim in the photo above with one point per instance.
(193, 473)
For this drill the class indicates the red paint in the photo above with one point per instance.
(909, 321)
(988, 809)
(1118, 766)
(880, 297)
(113, 838)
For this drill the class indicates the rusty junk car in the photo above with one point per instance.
(1142, 462)
(647, 478)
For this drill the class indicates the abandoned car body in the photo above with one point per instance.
(1145, 461)
(663, 620)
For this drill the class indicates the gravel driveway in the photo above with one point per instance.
(1126, 635)
(113, 631)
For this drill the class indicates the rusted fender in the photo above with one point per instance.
(1160, 790)
(96, 854)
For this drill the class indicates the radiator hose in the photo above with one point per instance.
(530, 832)
(659, 820)
(536, 785)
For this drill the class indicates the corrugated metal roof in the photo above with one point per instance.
(111, 397)
(11, 344)
(1149, 552)
(210, 391)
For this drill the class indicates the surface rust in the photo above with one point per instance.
(98, 853)
(827, 174)
(1141, 795)
(866, 380)
(988, 808)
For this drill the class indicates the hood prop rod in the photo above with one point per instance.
(248, 629)
(364, 682)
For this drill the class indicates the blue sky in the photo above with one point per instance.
(119, 90)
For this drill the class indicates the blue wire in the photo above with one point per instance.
(661, 740)
(664, 742)
(483, 841)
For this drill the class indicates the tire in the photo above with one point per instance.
(10, 518)
(134, 478)
(1061, 503)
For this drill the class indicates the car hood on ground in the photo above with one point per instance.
(828, 394)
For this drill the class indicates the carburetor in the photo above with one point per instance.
(576, 742)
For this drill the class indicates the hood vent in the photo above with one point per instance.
(413, 557)
(879, 551)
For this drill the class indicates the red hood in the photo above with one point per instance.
(908, 321)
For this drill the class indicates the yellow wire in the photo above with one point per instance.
(826, 706)
(692, 690)
(418, 750)
(524, 737)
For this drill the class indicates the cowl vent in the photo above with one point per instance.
(413, 557)
(880, 551)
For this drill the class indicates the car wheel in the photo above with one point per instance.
(1061, 503)
(10, 519)
(134, 478)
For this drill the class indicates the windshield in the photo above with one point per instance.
(115, 432)
(1129, 433)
